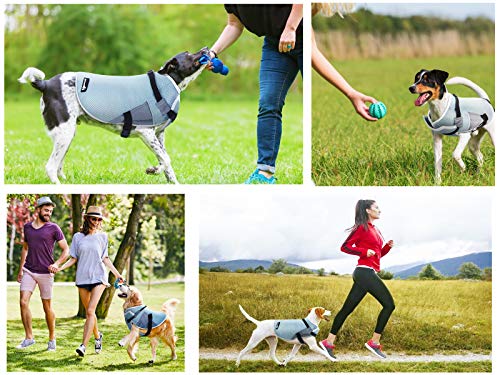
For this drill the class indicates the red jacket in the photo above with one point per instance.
(360, 240)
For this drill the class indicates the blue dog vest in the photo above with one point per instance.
(146, 100)
(291, 329)
(144, 318)
(463, 115)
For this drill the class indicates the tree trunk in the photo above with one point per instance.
(77, 224)
(11, 245)
(124, 251)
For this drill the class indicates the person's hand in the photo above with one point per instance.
(20, 276)
(390, 243)
(287, 40)
(54, 268)
(370, 253)
(359, 100)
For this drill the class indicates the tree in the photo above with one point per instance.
(385, 275)
(321, 272)
(124, 251)
(429, 273)
(278, 265)
(487, 273)
(219, 269)
(469, 270)
(259, 269)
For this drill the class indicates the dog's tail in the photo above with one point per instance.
(466, 82)
(169, 307)
(35, 77)
(254, 321)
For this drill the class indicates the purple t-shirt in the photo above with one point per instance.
(41, 243)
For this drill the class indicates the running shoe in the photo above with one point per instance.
(257, 178)
(98, 343)
(81, 350)
(328, 347)
(51, 347)
(375, 349)
(25, 343)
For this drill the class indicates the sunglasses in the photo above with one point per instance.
(95, 219)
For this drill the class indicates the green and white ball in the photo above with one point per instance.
(377, 110)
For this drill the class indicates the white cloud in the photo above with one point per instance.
(309, 228)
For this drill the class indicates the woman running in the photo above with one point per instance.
(365, 241)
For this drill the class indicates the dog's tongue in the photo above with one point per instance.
(421, 99)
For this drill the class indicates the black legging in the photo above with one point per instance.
(366, 280)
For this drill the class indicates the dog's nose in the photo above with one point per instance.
(412, 89)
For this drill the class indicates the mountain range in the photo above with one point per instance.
(447, 267)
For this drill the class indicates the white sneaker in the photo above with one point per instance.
(25, 343)
(81, 350)
(51, 347)
(98, 343)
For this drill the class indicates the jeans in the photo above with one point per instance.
(277, 73)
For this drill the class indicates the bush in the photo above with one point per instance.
(429, 273)
(469, 270)
(385, 275)
(219, 269)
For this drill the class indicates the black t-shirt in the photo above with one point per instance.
(268, 20)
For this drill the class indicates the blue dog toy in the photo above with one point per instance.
(119, 284)
(377, 110)
(218, 66)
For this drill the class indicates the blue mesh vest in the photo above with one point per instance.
(291, 329)
(145, 100)
(144, 318)
(463, 115)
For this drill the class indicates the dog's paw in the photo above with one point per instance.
(151, 361)
(174, 357)
(153, 170)
(121, 344)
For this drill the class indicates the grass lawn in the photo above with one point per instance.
(211, 142)
(396, 150)
(328, 367)
(69, 335)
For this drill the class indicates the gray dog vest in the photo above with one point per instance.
(463, 115)
(145, 100)
(295, 329)
(144, 318)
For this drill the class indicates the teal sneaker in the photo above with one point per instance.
(257, 178)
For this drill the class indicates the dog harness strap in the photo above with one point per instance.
(457, 107)
(172, 115)
(299, 337)
(133, 315)
(154, 86)
(127, 124)
(150, 324)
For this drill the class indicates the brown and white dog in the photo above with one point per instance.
(467, 118)
(165, 331)
(293, 331)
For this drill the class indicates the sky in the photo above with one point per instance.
(308, 228)
(458, 11)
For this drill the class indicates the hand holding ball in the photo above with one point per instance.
(377, 110)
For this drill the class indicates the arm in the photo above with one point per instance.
(348, 245)
(107, 262)
(288, 36)
(387, 247)
(229, 35)
(68, 264)
(24, 254)
(321, 65)
(64, 255)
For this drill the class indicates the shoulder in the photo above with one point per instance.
(53, 226)
(77, 236)
(27, 225)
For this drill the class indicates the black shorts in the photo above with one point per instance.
(88, 287)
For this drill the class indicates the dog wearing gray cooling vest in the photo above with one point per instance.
(138, 106)
(294, 331)
(467, 118)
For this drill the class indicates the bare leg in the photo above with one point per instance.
(376, 338)
(50, 318)
(91, 319)
(24, 302)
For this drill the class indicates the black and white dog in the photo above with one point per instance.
(467, 118)
(61, 107)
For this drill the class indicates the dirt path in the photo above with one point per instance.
(231, 354)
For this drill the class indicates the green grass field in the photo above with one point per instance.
(431, 317)
(211, 142)
(397, 150)
(69, 332)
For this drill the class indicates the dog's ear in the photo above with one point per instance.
(309, 310)
(170, 66)
(441, 75)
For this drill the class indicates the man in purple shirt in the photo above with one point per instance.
(37, 267)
